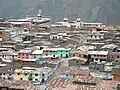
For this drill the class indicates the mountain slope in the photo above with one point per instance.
(106, 11)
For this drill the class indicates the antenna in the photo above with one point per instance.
(39, 12)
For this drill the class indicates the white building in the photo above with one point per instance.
(64, 23)
(92, 24)
(37, 54)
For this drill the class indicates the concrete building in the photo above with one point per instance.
(62, 52)
(95, 36)
(5, 35)
(99, 56)
(24, 54)
(37, 54)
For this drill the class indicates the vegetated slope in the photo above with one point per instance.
(106, 11)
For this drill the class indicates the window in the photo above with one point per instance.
(84, 83)
(36, 79)
(25, 74)
(79, 55)
(96, 59)
(46, 54)
(30, 78)
(103, 55)
(21, 78)
(42, 74)
(67, 55)
(32, 61)
(112, 56)
(34, 56)
(0, 33)
(84, 56)
(77, 61)
(73, 55)
(18, 73)
(3, 73)
(27, 54)
(102, 60)
(117, 56)
(36, 74)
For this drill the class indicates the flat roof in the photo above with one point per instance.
(93, 23)
(37, 52)
(98, 52)
(55, 49)
(24, 51)
(110, 46)
(97, 43)
(29, 60)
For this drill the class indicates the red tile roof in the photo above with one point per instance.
(74, 71)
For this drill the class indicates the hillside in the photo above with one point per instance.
(106, 11)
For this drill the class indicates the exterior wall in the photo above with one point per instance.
(63, 53)
(49, 53)
(81, 55)
(75, 54)
(24, 62)
(5, 35)
(4, 24)
(40, 78)
(24, 55)
(46, 76)
(34, 56)
(6, 76)
(55, 37)
(8, 44)
(35, 78)
(21, 76)
(95, 37)
(21, 25)
(115, 56)
(6, 56)
(99, 58)
(92, 25)
(62, 75)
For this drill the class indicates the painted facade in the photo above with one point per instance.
(20, 74)
(61, 52)
(24, 54)
(25, 61)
